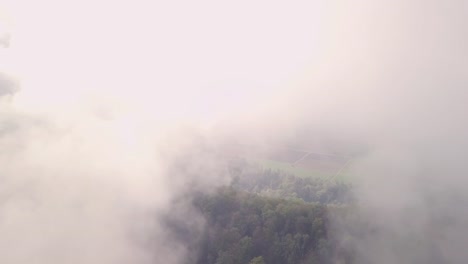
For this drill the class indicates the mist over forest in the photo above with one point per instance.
(245, 132)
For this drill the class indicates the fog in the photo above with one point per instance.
(112, 112)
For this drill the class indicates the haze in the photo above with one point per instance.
(99, 99)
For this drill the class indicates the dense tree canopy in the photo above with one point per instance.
(271, 217)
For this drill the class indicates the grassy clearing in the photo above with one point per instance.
(289, 168)
(301, 171)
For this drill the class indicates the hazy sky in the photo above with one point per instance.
(188, 59)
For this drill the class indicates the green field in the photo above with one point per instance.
(299, 171)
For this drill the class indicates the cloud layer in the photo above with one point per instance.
(121, 112)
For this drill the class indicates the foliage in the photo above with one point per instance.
(257, 260)
(245, 227)
(277, 183)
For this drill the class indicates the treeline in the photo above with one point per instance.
(275, 183)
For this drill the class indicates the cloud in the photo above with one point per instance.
(5, 40)
(119, 117)
(8, 85)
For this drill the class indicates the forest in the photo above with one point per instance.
(268, 216)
